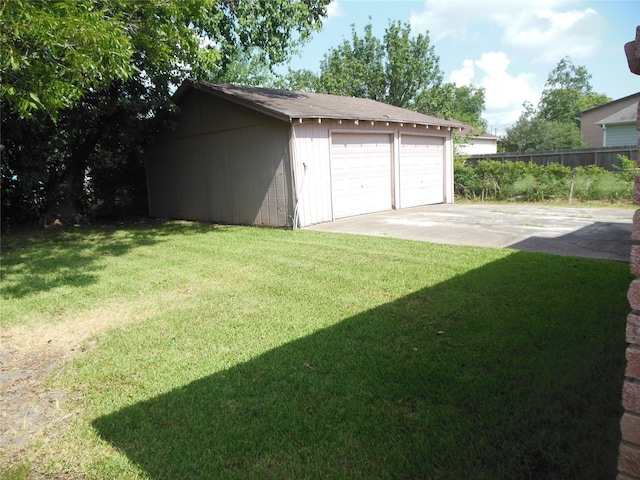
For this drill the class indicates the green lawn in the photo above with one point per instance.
(259, 353)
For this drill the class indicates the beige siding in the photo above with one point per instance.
(227, 163)
(312, 172)
(593, 134)
(223, 164)
(311, 147)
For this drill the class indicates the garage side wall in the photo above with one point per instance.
(222, 163)
(311, 145)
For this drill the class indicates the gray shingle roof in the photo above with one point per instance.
(290, 105)
(579, 114)
(476, 132)
(626, 115)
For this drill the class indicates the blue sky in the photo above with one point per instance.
(506, 46)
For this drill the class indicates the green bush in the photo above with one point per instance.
(526, 188)
(612, 188)
(627, 168)
(466, 180)
(529, 182)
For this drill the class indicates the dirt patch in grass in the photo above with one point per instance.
(29, 357)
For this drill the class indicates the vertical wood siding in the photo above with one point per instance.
(311, 149)
(312, 172)
(223, 163)
(226, 163)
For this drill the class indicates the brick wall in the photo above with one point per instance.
(629, 452)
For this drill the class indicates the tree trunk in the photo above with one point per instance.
(68, 190)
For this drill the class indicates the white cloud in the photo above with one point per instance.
(454, 18)
(548, 35)
(464, 76)
(444, 19)
(504, 93)
(545, 30)
(333, 11)
(536, 35)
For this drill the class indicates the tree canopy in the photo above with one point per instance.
(532, 132)
(83, 84)
(54, 52)
(399, 69)
(568, 91)
(552, 125)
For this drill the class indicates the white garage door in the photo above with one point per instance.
(421, 170)
(360, 173)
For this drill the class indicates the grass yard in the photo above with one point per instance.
(236, 352)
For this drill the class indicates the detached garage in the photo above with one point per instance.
(257, 156)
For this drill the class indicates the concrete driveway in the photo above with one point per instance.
(584, 232)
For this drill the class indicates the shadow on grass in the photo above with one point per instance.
(611, 241)
(44, 260)
(518, 379)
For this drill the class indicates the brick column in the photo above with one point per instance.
(629, 452)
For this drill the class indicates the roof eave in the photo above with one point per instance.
(299, 118)
(619, 122)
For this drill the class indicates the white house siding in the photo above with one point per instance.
(311, 149)
(478, 146)
(231, 167)
(621, 135)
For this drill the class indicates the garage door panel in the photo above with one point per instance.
(421, 170)
(360, 173)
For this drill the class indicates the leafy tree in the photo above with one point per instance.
(249, 68)
(356, 68)
(412, 67)
(53, 52)
(468, 105)
(67, 150)
(553, 126)
(399, 69)
(532, 132)
(303, 80)
(568, 92)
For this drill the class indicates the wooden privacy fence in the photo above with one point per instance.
(605, 157)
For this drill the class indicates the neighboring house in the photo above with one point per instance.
(476, 143)
(621, 128)
(257, 156)
(591, 129)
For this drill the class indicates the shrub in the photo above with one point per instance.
(466, 181)
(526, 189)
(612, 188)
(627, 169)
(520, 181)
